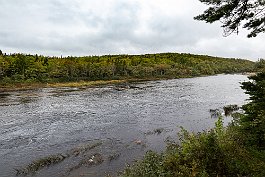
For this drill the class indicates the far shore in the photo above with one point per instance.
(82, 83)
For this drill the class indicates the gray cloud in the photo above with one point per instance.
(86, 27)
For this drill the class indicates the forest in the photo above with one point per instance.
(25, 68)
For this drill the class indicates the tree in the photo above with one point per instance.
(260, 65)
(234, 13)
(252, 124)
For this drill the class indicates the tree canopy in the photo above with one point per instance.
(249, 14)
(36, 68)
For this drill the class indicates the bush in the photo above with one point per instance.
(207, 154)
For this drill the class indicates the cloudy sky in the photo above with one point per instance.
(97, 27)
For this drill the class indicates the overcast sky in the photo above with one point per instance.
(98, 27)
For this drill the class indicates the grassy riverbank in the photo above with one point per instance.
(26, 86)
(78, 84)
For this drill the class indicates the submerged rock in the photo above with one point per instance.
(215, 113)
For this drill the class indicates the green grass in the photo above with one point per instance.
(47, 161)
(41, 163)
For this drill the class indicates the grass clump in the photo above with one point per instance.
(157, 131)
(114, 156)
(41, 163)
(93, 160)
(229, 109)
(57, 158)
(84, 148)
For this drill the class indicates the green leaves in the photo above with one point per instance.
(33, 68)
(217, 152)
(253, 122)
(234, 13)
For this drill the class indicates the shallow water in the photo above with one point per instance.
(124, 119)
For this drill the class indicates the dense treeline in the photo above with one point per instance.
(36, 68)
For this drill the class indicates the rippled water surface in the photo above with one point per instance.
(123, 122)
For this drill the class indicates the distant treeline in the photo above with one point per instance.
(37, 68)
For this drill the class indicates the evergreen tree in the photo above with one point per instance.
(250, 13)
(252, 124)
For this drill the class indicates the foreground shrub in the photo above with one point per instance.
(207, 154)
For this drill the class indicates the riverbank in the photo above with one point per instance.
(29, 86)
(80, 84)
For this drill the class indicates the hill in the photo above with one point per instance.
(24, 68)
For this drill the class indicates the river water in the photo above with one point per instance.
(118, 123)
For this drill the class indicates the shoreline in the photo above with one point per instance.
(82, 83)
(77, 84)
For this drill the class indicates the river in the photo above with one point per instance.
(119, 123)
